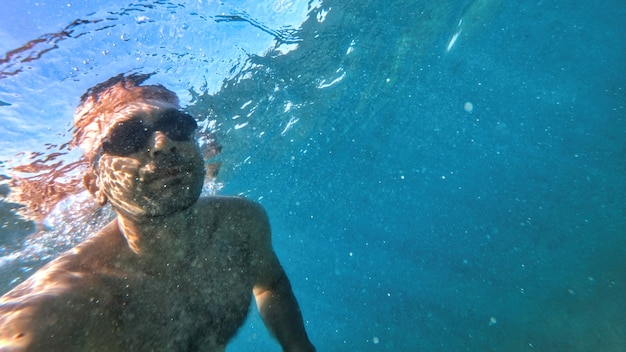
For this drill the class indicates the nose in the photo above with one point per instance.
(161, 144)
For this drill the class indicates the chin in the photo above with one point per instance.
(174, 200)
(168, 200)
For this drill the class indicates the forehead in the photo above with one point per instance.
(146, 112)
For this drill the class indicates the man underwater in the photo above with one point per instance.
(173, 271)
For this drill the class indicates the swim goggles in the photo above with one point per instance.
(131, 136)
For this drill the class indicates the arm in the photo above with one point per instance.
(280, 312)
(275, 299)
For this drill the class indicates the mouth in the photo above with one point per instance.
(170, 179)
(164, 174)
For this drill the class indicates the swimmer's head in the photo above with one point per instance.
(102, 107)
(113, 101)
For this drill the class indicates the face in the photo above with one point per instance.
(150, 164)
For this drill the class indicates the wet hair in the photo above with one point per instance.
(49, 180)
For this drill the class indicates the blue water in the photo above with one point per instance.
(439, 177)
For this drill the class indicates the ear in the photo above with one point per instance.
(90, 179)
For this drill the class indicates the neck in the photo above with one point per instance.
(158, 239)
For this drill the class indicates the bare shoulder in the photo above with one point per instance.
(52, 302)
(236, 210)
(242, 220)
(71, 269)
(62, 289)
(240, 204)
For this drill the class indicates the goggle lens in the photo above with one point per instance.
(131, 136)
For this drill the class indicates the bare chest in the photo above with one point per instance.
(194, 304)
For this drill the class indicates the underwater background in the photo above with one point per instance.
(439, 176)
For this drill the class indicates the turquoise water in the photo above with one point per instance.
(439, 177)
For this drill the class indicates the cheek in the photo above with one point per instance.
(119, 175)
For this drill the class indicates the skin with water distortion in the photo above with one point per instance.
(173, 271)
